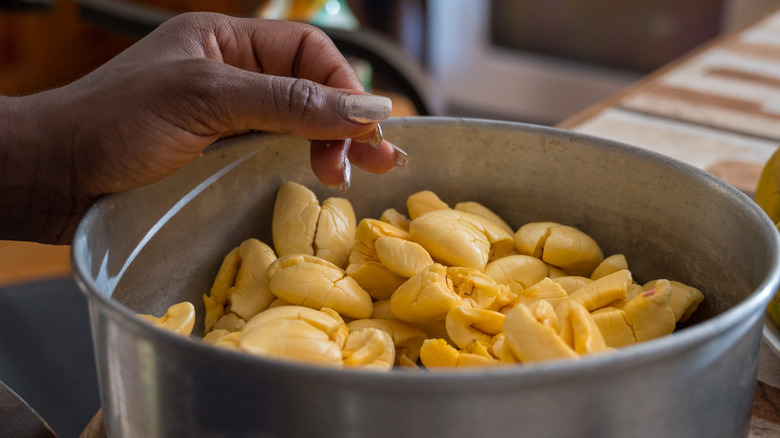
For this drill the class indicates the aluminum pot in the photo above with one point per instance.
(144, 250)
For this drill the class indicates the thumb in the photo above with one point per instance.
(297, 106)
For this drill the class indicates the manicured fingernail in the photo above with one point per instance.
(401, 157)
(344, 186)
(377, 138)
(367, 108)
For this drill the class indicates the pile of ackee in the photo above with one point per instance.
(443, 287)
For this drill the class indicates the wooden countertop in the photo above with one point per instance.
(22, 262)
(717, 108)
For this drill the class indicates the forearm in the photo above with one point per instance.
(36, 190)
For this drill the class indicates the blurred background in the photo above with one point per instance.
(521, 60)
(524, 60)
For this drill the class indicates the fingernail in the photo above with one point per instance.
(367, 108)
(401, 157)
(377, 138)
(344, 186)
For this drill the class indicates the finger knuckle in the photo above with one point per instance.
(303, 97)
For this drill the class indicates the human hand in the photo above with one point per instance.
(159, 104)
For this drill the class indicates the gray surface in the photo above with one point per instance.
(163, 244)
(46, 353)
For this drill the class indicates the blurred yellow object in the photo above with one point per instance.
(774, 309)
(768, 198)
(768, 190)
(774, 306)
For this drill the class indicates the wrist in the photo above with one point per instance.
(36, 188)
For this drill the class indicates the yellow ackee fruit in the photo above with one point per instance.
(448, 287)
(179, 318)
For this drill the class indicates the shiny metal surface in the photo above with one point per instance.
(145, 250)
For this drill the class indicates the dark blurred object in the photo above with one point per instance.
(138, 17)
(18, 419)
(46, 354)
(229, 7)
(129, 18)
(403, 21)
(636, 36)
(26, 5)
